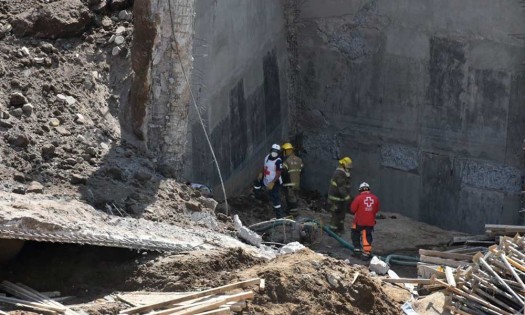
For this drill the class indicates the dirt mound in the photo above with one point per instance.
(65, 77)
(310, 283)
(193, 272)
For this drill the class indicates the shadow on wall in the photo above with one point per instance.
(246, 133)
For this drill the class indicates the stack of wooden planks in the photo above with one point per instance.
(492, 284)
(217, 301)
(26, 298)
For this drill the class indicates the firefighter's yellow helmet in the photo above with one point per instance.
(287, 146)
(346, 161)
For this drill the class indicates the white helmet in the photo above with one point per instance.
(276, 147)
(363, 186)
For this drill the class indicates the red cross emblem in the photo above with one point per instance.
(266, 170)
(368, 202)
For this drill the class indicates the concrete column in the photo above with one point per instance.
(160, 94)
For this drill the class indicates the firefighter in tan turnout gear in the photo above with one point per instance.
(292, 168)
(339, 194)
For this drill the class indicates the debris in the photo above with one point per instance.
(492, 284)
(207, 300)
(32, 299)
(35, 187)
(291, 248)
(17, 99)
(245, 233)
(378, 266)
(54, 122)
(27, 109)
(119, 40)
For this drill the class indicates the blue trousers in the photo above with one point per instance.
(275, 197)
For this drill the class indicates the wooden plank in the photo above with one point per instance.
(225, 288)
(29, 304)
(472, 298)
(468, 250)
(219, 311)
(449, 274)
(236, 306)
(121, 298)
(207, 306)
(442, 261)
(426, 271)
(463, 239)
(408, 280)
(436, 253)
(38, 296)
(508, 228)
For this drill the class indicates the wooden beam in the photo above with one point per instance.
(449, 274)
(33, 305)
(442, 261)
(225, 288)
(408, 280)
(463, 239)
(207, 306)
(436, 253)
(472, 298)
(39, 295)
(120, 297)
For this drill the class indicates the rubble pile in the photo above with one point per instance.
(65, 74)
(493, 284)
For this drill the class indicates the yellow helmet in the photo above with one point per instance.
(346, 161)
(287, 146)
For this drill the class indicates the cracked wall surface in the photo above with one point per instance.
(240, 83)
(426, 97)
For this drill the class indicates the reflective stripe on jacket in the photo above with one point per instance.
(339, 189)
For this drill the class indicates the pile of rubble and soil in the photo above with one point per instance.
(302, 283)
(65, 71)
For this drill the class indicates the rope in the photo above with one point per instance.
(197, 110)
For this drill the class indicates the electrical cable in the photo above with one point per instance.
(197, 110)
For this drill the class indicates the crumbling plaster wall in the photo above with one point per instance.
(427, 97)
(240, 84)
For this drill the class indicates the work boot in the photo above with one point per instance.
(357, 252)
(366, 256)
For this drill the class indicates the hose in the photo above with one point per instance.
(392, 259)
(401, 260)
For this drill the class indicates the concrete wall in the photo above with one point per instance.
(240, 82)
(159, 96)
(425, 96)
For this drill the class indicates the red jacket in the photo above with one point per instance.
(365, 207)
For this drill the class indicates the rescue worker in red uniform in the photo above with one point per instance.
(339, 194)
(273, 167)
(364, 207)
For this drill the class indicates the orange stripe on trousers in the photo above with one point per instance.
(367, 247)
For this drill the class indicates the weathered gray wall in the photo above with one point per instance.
(428, 99)
(240, 82)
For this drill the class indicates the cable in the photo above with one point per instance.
(197, 109)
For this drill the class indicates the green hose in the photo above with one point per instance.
(391, 259)
(401, 260)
